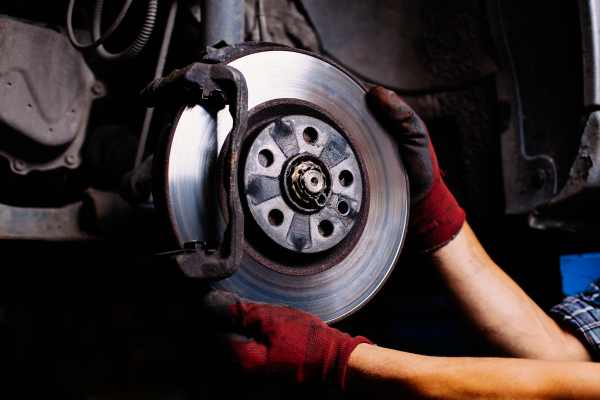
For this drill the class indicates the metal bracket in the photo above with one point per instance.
(212, 86)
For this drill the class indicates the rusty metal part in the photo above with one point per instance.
(258, 245)
(574, 207)
(303, 184)
(585, 171)
(307, 183)
(277, 75)
(213, 86)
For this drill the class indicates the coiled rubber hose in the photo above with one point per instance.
(94, 43)
(140, 41)
(98, 39)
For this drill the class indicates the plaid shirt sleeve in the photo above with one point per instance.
(581, 314)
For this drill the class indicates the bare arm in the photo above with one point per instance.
(376, 370)
(499, 307)
(496, 304)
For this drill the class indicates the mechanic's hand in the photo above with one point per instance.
(280, 342)
(435, 216)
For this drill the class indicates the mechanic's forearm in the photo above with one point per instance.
(499, 307)
(376, 370)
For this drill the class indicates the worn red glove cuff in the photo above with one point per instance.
(343, 357)
(436, 219)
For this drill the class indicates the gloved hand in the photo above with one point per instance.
(280, 342)
(435, 215)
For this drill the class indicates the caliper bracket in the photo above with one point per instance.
(212, 86)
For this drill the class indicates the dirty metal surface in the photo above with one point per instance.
(45, 224)
(46, 90)
(574, 208)
(304, 193)
(191, 160)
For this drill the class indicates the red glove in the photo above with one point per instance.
(283, 343)
(435, 216)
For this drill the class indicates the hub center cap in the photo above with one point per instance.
(307, 183)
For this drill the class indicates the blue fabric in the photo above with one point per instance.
(581, 314)
(578, 271)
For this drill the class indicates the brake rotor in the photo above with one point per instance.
(326, 196)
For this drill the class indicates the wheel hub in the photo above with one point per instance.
(307, 184)
(303, 183)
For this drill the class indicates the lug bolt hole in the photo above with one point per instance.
(346, 178)
(321, 200)
(265, 158)
(325, 228)
(275, 217)
(343, 207)
(310, 135)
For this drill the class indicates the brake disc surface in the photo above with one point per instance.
(344, 285)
